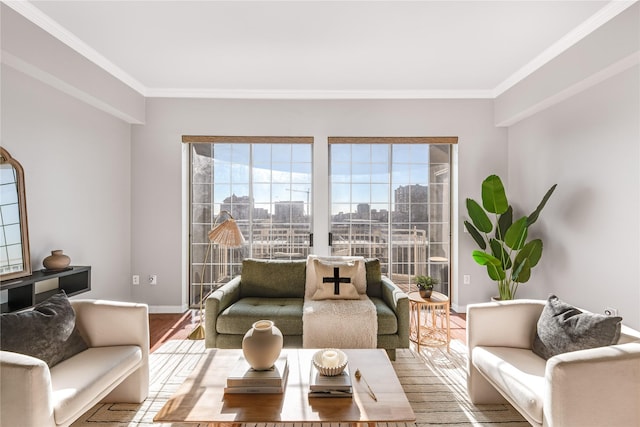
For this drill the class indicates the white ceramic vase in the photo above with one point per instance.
(262, 344)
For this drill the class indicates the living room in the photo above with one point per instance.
(106, 171)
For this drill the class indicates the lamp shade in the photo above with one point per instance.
(227, 234)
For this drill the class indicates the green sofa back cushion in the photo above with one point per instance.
(272, 278)
(374, 277)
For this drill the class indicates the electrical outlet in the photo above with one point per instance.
(135, 279)
(466, 279)
(610, 311)
(153, 279)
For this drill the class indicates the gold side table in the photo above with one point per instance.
(429, 322)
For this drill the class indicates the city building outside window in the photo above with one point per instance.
(390, 199)
(265, 183)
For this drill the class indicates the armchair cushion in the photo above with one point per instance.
(563, 328)
(517, 370)
(48, 332)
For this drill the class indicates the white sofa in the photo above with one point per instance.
(594, 387)
(115, 368)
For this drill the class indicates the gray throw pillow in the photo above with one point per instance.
(47, 332)
(562, 328)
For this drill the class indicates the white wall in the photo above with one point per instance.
(158, 190)
(76, 161)
(589, 145)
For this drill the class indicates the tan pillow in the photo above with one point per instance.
(326, 277)
(360, 281)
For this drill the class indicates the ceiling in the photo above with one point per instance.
(320, 49)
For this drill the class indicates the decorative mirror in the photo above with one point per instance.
(14, 235)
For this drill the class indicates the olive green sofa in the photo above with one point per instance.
(274, 290)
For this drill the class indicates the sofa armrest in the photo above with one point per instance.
(110, 323)
(398, 301)
(498, 324)
(579, 383)
(106, 323)
(503, 324)
(216, 303)
(27, 396)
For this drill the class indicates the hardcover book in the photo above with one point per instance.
(243, 375)
(325, 386)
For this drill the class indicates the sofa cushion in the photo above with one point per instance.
(517, 373)
(374, 277)
(562, 328)
(387, 320)
(47, 332)
(83, 380)
(272, 278)
(286, 314)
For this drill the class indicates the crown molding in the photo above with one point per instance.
(318, 94)
(35, 15)
(604, 15)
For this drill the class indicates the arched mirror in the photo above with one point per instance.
(14, 236)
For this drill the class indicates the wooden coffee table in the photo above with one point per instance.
(201, 398)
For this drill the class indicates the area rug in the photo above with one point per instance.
(434, 381)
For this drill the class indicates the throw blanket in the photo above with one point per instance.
(339, 323)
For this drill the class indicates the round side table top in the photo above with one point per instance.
(436, 298)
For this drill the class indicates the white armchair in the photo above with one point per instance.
(115, 368)
(593, 387)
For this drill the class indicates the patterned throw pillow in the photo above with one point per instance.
(360, 281)
(336, 281)
(46, 332)
(562, 328)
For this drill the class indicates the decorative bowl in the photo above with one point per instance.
(321, 359)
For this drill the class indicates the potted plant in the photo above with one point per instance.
(504, 248)
(425, 285)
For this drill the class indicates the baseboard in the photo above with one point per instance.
(172, 309)
(459, 308)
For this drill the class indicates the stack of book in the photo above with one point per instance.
(325, 386)
(244, 379)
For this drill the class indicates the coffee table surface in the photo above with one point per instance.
(201, 397)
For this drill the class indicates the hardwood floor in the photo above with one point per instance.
(165, 327)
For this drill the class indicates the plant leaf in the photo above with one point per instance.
(504, 222)
(476, 235)
(521, 271)
(533, 217)
(479, 216)
(532, 252)
(494, 198)
(484, 258)
(498, 251)
(495, 272)
(516, 235)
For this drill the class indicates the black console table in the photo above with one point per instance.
(19, 294)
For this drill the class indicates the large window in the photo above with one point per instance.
(390, 200)
(265, 183)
